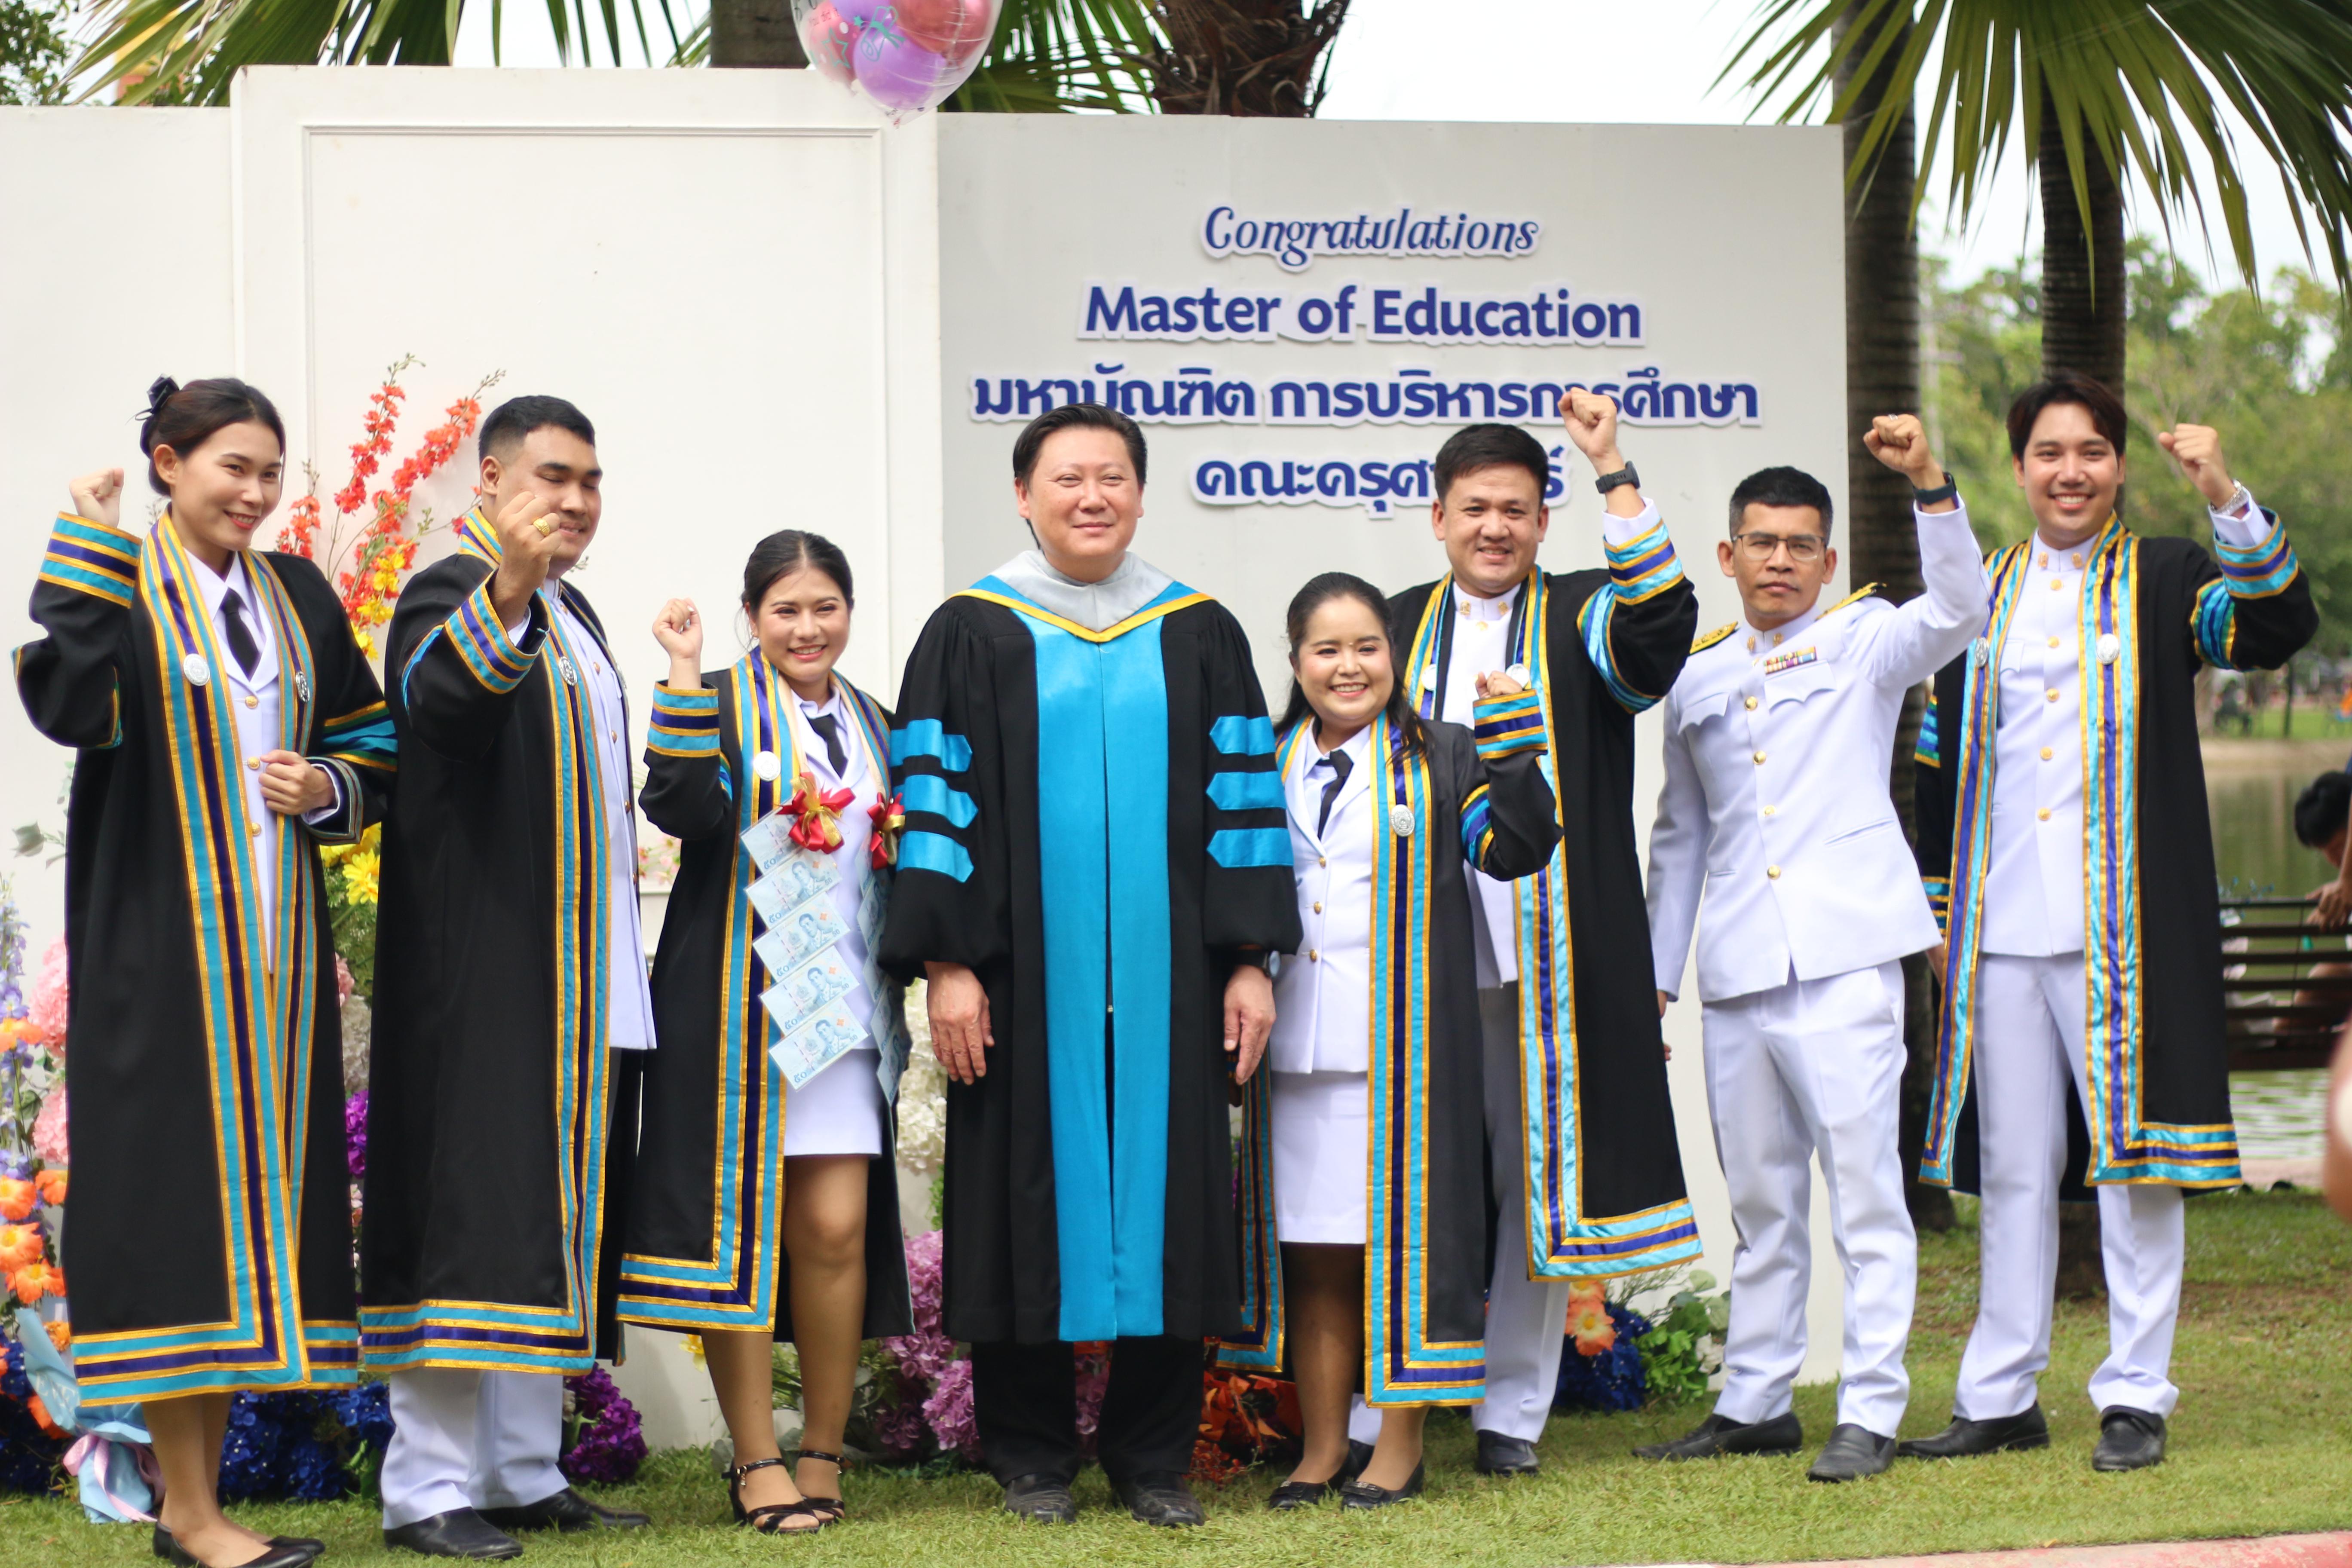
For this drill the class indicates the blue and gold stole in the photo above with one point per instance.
(258, 1019)
(1564, 1239)
(500, 1336)
(1402, 1365)
(2124, 1145)
(733, 1285)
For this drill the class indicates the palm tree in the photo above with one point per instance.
(2104, 91)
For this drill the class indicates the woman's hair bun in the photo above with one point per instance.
(158, 392)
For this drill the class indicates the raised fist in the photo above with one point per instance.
(2198, 449)
(678, 628)
(1592, 421)
(99, 497)
(1900, 441)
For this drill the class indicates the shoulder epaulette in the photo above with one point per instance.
(1706, 640)
(1864, 592)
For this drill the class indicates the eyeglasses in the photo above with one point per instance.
(1804, 549)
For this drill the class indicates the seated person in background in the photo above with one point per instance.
(2320, 815)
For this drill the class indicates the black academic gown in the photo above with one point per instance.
(1093, 827)
(1605, 1189)
(1475, 799)
(2159, 1065)
(207, 1240)
(704, 1233)
(493, 1135)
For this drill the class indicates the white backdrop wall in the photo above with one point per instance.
(776, 308)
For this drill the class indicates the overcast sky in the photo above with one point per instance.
(1637, 61)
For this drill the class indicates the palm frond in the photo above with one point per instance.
(2137, 84)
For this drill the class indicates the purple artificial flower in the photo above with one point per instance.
(609, 1442)
(949, 1410)
(355, 1134)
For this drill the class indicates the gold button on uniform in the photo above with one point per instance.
(2053, 641)
(251, 701)
(1771, 809)
(2049, 696)
(1773, 872)
(1320, 860)
(2043, 815)
(2045, 753)
(1314, 956)
(253, 830)
(1759, 759)
(1751, 703)
(2057, 584)
(1318, 909)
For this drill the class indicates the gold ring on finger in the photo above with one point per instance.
(546, 525)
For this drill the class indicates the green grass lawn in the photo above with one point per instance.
(2261, 1444)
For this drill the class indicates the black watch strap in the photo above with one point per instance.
(1949, 491)
(1624, 476)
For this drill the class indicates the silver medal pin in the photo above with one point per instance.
(1984, 653)
(1521, 674)
(302, 685)
(768, 767)
(198, 670)
(2111, 648)
(563, 667)
(1401, 821)
(1429, 677)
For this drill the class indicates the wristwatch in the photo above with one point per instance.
(1624, 476)
(1258, 958)
(1949, 491)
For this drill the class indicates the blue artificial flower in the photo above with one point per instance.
(1613, 1380)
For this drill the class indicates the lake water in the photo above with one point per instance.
(2251, 791)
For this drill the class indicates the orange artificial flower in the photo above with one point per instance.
(20, 1245)
(41, 1414)
(51, 1185)
(60, 1335)
(34, 1281)
(1589, 1323)
(17, 1198)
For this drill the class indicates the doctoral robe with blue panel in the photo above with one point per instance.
(1604, 1190)
(1473, 799)
(2158, 1061)
(705, 1230)
(500, 1127)
(207, 1239)
(1095, 827)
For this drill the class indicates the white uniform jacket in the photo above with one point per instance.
(1775, 810)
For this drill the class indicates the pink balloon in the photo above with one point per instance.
(898, 73)
(828, 39)
(959, 29)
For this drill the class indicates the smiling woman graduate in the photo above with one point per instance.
(226, 724)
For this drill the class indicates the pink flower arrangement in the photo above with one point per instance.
(949, 1410)
(344, 981)
(49, 1128)
(47, 1010)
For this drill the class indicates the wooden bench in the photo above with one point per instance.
(2276, 1013)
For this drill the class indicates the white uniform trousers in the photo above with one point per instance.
(2029, 1037)
(1814, 1067)
(462, 1438)
(1526, 1320)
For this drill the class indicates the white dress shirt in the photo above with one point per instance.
(628, 999)
(256, 700)
(2033, 871)
(851, 860)
(1774, 811)
(1323, 996)
(1482, 633)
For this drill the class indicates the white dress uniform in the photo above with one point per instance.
(491, 1439)
(840, 1111)
(2031, 989)
(1320, 1050)
(1775, 815)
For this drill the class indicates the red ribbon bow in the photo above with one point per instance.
(819, 814)
(890, 814)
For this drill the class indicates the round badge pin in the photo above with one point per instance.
(1401, 821)
(2111, 648)
(1984, 653)
(1522, 673)
(767, 766)
(1429, 677)
(198, 671)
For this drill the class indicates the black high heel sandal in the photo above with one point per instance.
(832, 1506)
(771, 1518)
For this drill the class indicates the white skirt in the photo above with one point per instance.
(838, 1111)
(1321, 1141)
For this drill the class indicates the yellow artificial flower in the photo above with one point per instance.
(360, 876)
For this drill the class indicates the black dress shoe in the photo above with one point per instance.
(2128, 1439)
(1359, 1456)
(1040, 1499)
(1501, 1455)
(299, 1543)
(566, 1511)
(1363, 1494)
(1302, 1494)
(1965, 1438)
(282, 1554)
(460, 1533)
(1164, 1499)
(1720, 1434)
(1852, 1452)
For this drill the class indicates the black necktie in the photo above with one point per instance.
(241, 646)
(828, 730)
(1338, 763)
